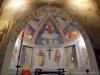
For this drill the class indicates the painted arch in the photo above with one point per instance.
(61, 29)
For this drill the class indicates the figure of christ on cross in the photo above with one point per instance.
(49, 52)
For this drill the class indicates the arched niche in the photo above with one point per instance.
(13, 36)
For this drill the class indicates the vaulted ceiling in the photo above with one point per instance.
(87, 10)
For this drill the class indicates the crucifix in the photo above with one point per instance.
(49, 52)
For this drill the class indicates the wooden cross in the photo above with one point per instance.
(49, 52)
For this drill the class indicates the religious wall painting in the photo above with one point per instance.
(49, 52)
(71, 32)
(26, 57)
(57, 56)
(60, 18)
(29, 32)
(56, 11)
(20, 27)
(38, 16)
(49, 34)
(41, 57)
(49, 57)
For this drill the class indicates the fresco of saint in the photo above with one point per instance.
(41, 57)
(71, 33)
(49, 34)
(38, 17)
(26, 58)
(57, 56)
(49, 28)
(29, 33)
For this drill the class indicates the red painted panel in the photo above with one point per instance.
(26, 72)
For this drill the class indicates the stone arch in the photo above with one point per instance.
(13, 36)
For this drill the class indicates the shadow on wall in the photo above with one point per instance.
(1, 1)
(97, 53)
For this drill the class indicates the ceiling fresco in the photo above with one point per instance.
(90, 19)
(54, 22)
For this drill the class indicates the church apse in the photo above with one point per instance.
(51, 41)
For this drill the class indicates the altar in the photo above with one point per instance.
(50, 71)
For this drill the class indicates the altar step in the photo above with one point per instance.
(27, 72)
